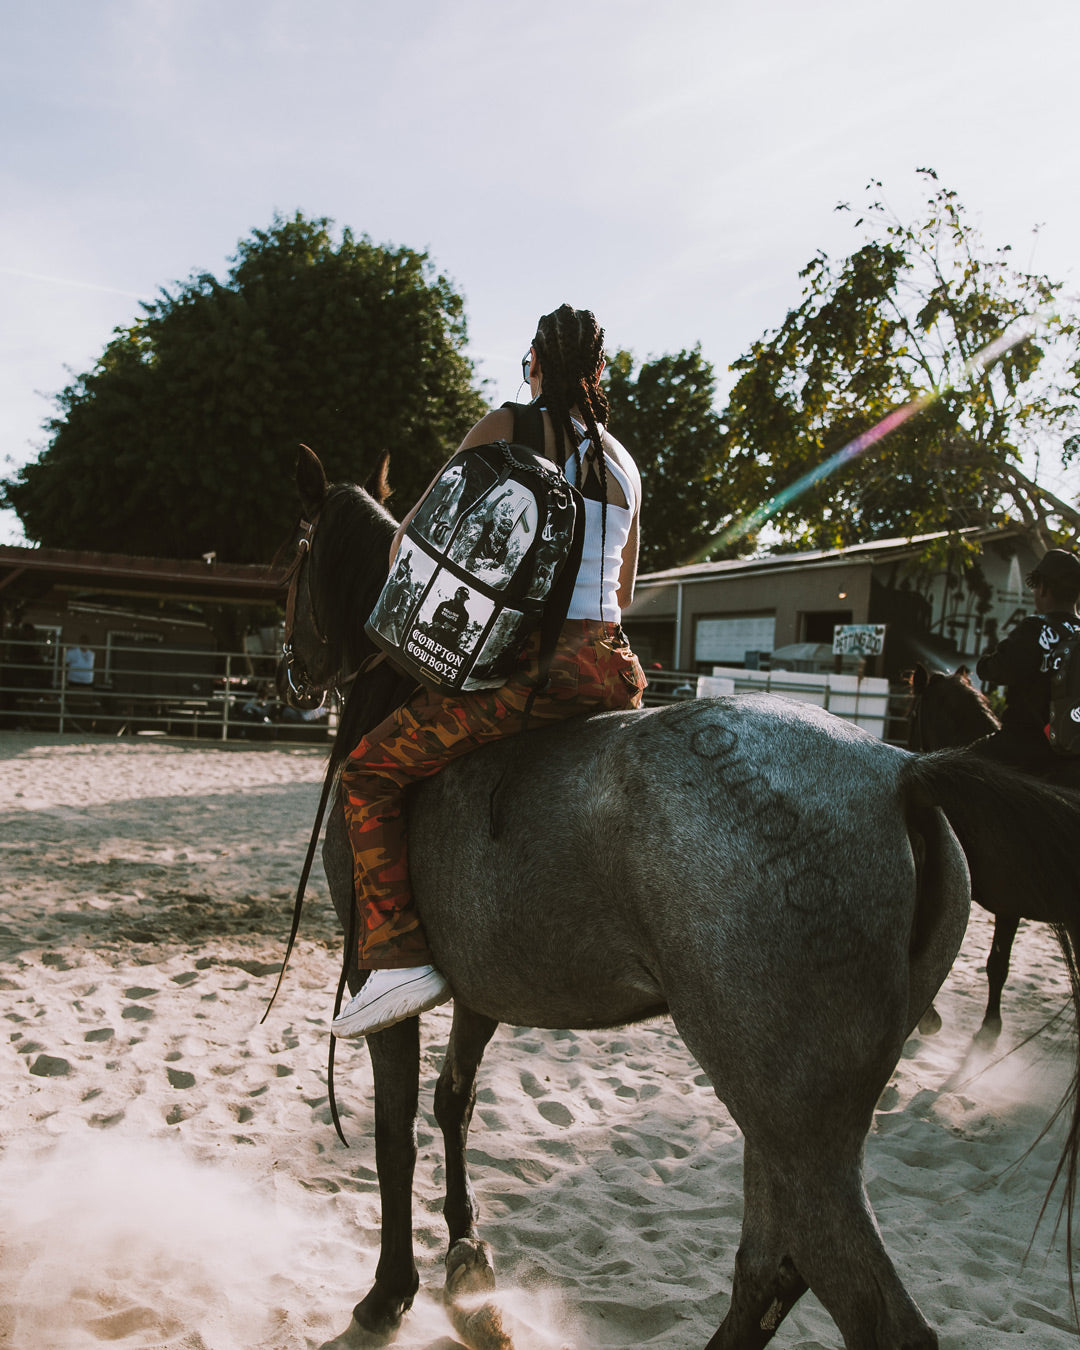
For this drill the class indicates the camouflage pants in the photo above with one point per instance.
(593, 668)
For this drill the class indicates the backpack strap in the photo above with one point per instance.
(528, 425)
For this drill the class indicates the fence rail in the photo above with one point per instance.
(226, 696)
(889, 718)
(152, 690)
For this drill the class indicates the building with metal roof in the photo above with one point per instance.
(746, 611)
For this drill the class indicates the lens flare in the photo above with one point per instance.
(750, 524)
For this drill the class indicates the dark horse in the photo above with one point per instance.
(947, 710)
(790, 889)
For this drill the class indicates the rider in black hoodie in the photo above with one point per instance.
(1021, 663)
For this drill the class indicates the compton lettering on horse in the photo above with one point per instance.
(710, 839)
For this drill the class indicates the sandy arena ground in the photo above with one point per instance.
(169, 1177)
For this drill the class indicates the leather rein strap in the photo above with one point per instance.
(298, 687)
(337, 754)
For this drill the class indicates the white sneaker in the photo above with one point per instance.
(389, 996)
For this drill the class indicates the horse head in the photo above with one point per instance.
(946, 710)
(338, 569)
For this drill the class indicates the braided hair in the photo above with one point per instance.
(570, 348)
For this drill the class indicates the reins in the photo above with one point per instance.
(305, 872)
(302, 692)
(334, 763)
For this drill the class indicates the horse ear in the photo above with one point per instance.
(963, 674)
(310, 482)
(378, 484)
(920, 678)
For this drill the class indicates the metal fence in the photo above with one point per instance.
(672, 686)
(149, 689)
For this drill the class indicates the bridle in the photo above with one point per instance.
(298, 680)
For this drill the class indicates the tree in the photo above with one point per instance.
(183, 437)
(676, 437)
(979, 355)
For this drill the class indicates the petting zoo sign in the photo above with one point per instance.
(858, 639)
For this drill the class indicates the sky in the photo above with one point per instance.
(671, 166)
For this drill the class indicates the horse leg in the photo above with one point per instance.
(766, 1285)
(469, 1269)
(800, 1060)
(997, 970)
(455, 1097)
(836, 1244)
(395, 1061)
(819, 1231)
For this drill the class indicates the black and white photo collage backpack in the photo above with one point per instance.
(489, 558)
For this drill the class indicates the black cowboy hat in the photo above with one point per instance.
(1057, 565)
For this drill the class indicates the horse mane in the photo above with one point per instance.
(947, 710)
(354, 535)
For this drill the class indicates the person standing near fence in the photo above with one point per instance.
(79, 663)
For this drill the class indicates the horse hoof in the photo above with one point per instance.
(375, 1320)
(469, 1269)
(930, 1022)
(470, 1278)
(988, 1033)
(355, 1337)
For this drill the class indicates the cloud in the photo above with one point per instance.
(67, 281)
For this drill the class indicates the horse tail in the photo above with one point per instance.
(1021, 838)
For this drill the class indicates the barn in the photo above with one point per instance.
(782, 610)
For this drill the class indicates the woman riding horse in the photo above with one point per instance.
(592, 668)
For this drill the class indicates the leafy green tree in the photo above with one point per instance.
(664, 412)
(183, 437)
(920, 317)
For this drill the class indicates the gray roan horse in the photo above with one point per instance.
(790, 889)
(948, 711)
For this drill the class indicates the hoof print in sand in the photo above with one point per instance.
(555, 1113)
(50, 1066)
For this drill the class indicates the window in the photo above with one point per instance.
(817, 625)
(118, 659)
(726, 641)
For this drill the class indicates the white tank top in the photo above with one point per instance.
(596, 590)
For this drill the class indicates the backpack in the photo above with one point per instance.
(1064, 666)
(490, 556)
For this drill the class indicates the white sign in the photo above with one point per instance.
(858, 639)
